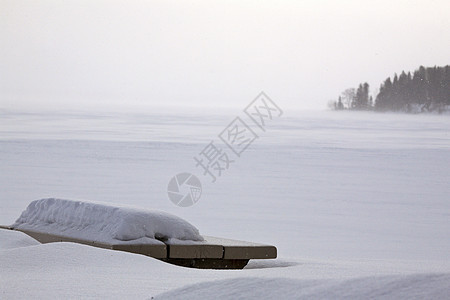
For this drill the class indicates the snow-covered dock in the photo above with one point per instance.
(152, 233)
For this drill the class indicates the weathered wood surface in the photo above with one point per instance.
(213, 253)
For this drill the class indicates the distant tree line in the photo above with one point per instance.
(426, 90)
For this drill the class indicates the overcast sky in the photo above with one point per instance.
(210, 53)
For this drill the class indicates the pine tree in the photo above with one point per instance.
(365, 99)
(340, 106)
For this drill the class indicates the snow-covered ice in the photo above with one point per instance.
(354, 202)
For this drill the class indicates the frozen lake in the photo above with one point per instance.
(318, 185)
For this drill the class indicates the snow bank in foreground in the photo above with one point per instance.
(104, 223)
(420, 286)
(75, 271)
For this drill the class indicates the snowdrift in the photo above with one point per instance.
(415, 286)
(13, 239)
(104, 223)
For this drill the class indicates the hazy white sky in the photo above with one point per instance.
(210, 53)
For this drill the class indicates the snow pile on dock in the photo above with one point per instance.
(104, 223)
